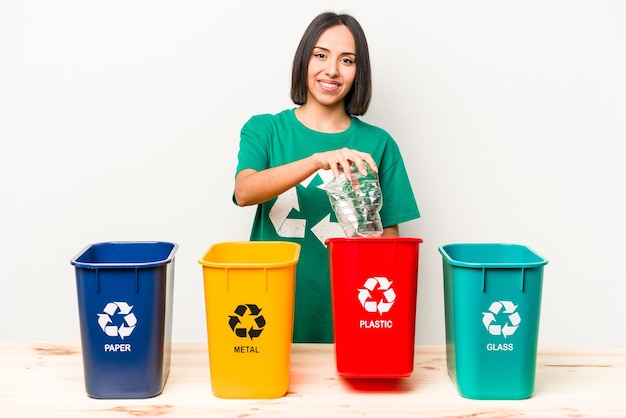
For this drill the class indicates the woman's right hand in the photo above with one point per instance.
(344, 157)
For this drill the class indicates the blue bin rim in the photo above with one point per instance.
(541, 261)
(74, 261)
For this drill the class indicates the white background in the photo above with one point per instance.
(120, 120)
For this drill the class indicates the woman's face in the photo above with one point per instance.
(332, 67)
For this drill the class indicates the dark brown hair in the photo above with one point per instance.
(358, 98)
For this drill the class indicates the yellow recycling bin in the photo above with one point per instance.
(249, 289)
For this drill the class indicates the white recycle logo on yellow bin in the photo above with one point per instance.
(383, 285)
(493, 318)
(111, 310)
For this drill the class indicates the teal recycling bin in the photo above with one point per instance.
(492, 298)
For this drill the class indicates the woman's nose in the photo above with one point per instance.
(332, 69)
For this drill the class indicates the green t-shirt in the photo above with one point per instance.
(303, 214)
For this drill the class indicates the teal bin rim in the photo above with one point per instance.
(166, 259)
(532, 258)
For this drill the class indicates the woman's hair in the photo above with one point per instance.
(358, 98)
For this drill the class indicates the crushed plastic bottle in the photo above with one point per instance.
(357, 202)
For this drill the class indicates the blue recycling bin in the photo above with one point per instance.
(125, 293)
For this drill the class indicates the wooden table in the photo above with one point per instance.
(46, 380)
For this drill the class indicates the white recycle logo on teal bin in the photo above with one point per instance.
(115, 310)
(502, 318)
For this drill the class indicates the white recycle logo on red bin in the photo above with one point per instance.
(115, 310)
(381, 285)
(499, 312)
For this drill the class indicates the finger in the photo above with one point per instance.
(364, 161)
(346, 167)
(360, 165)
(371, 163)
(367, 159)
(333, 163)
(343, 160)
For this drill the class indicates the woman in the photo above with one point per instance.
(286, 158)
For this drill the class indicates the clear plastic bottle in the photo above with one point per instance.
(357, 202)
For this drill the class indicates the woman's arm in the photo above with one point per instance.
(391, 231)
(253, 187)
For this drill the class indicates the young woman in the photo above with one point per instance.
(286, 158)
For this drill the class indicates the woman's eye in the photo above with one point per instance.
(347, 61)
(320, 55)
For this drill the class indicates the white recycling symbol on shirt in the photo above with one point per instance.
(296, 228)
(502, 309)
(117, 308)
(387, 298)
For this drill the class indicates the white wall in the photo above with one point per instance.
(120, 120)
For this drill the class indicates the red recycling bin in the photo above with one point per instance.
(374, 294)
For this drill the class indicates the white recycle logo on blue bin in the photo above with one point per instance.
(502, 318)
(117, 313)
(383, 286)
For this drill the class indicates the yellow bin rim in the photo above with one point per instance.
(239, 260)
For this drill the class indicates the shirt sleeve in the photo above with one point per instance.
(399, 204)
(254, 143)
